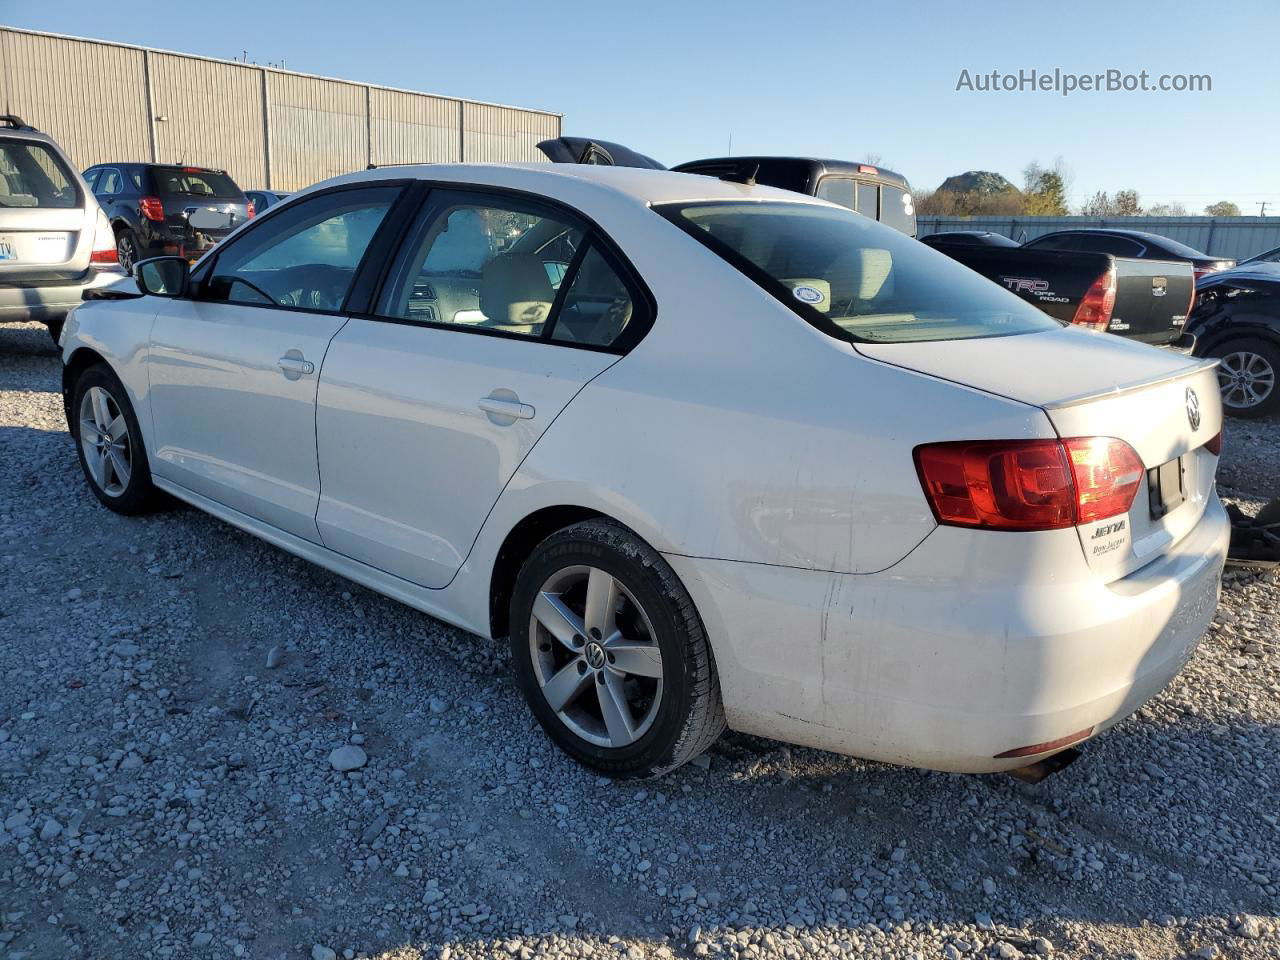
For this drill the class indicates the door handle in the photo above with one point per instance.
(511, 409)
(294, 366)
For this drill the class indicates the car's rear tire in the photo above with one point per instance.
(126, 248)
(1249, 376)
(611, 654)
(109, 443)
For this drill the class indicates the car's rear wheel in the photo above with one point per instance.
(611, 654)
(1249, 376)
(126, 249)
(109, 443)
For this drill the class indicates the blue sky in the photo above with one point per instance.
(678, 79)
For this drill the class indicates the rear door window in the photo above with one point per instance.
(32, 175)
(501, 264)
(1101, 243)
(853, 278)
(1062, 241)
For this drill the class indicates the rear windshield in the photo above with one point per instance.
(896, 209)
(854, 278)
(32, 175)
(1179, 249)
(184, 182)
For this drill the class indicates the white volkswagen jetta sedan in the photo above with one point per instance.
(708, 453)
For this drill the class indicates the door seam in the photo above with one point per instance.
(315, 433)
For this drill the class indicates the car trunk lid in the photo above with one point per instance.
(1153, 298)
(1165, 406)
(43, 244)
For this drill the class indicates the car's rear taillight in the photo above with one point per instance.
(1094, 311)
(1107, 473)
(1028, 484)
(152, 208)
(253, 210)
(103, 252)
(1214, 445)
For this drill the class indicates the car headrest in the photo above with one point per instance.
(515, 289)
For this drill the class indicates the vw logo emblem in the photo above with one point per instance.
(595, 655)
(1193, 409)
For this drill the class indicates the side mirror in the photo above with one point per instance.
(162, 276)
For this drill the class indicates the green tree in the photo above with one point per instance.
(1045, 190)
(1223, 208)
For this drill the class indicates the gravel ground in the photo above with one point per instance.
(173, 692)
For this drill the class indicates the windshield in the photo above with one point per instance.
(854, 278)
(32, 175)
(191, 182)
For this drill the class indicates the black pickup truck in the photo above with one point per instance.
(867, 188)
(1146, 300)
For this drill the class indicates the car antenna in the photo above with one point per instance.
(743, 175)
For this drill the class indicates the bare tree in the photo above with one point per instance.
(1167, 210)
(1099, 205)
(1127, 204)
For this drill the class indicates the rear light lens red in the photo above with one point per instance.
(103, 252)
(1107, 473)
(1214, 445)
(253, 210)
(1028, 484)
(1094, 311)
(151, 208)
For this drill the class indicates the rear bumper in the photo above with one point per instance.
(944, 661)
(19, 304)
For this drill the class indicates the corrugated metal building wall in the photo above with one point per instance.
(1236, 237)
(271, 128)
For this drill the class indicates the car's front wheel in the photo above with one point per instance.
(1249, 376)
(109, 443)
(611, 654)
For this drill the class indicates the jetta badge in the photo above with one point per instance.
(1193, 409)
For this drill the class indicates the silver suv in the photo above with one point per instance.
(55, 242)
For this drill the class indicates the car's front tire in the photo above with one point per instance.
(1249, 376)
(109, 443)
(611, 654)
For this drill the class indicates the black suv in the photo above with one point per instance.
(161, 209)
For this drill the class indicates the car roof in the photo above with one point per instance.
(567, 181)
(1111, 232)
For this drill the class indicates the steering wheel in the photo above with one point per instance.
(313, 287)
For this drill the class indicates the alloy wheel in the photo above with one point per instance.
(595, 656)
(125, 252)
(1246, 379)
(105, 440)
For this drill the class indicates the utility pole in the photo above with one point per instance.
(1263, 211)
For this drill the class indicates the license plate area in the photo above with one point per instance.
(1166, 488)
